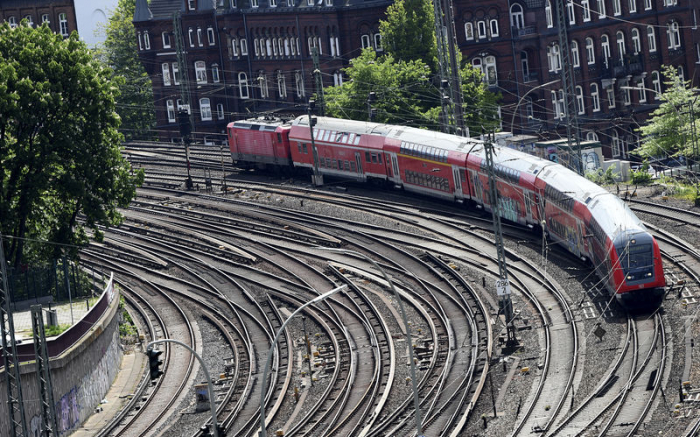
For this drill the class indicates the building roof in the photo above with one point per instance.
(142, 12)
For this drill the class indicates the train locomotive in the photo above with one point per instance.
(574, 212)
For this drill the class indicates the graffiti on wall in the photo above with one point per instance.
(68, 410)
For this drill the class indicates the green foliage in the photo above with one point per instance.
(641, 176)
(120, 52)
(601, 177)
(127, 328)
(52, 331)
(401, 89)
(408, 34)
(670, 130)
(480, 104)
(59, 145)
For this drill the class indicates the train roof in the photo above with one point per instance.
(436, 139)
(262, 123)
(350, 126)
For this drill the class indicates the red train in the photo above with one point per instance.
(587, 220)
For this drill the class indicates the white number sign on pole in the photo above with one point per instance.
(502, 287)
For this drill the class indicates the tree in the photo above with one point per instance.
(402, 89)
(120, 53)
(61, 170)
(408, 34)
(672, 127)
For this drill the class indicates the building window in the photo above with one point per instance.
(210, 36)
(605, 43)
(656, 84)
(299, 83)
(215, 73)
(611, 97)
(190, 34)
(45, 19)
(548, 14)
(670, 2)
(377, 42)
(555, 105)
(601, 9)
(205, 109)
(651, 38)
(140, 38)
(627, 95)
(481, 28)
(586, 10)
(199, 37)
(329, 2)
(617, 7)
(233, 4)
(232, 44)
(591, 136)
(273, 3)
(63, 25)
(575, 58)
(525, 64)
(636, 41)
(595, 97)
(681, 74)
(554, 57)
(337, 78)
(200, 70)
(674, 36)
(166, 40)
(641, 89)
(30, 21)
(166, 74)
(647, 4)
(171, 111)
(621, 50)
(176, 73)
(570, 11)
(590, 51)
(579, 100)
(220, 111)
(12, 21)
(244, 47)
(633, 6)
(366, 41)
(190, 5)
(615, 143)
(469, 31)
(146, 40)
(243, 85)
(281, 85)
(494, 28)
(517, 18)
(262, 83)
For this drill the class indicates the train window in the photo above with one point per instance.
(379, 158)
(279, 138)
(367, 156)
(326, 134)
(353, 167)
(357, 140)
(306, 151)
(347, 165)
(299, 147)
(335, 164)
(374, 158)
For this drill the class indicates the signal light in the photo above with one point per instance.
(154, 363)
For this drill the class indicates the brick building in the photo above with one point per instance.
(249, 56)
(60, 14)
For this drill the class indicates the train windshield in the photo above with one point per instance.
(637, 261)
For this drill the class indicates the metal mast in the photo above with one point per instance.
(447, 113)
(186, 125)
(455, 79)
(43, 372)
(567, 81)
(318, 81)
(502, 284)
(18, 422)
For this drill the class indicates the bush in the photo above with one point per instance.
(641, 177)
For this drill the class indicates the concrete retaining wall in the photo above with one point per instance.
(81, 372)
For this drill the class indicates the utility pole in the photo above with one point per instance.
(502, 284)
(185, 121)
(567, 81)
(49, 426)
(18, 421)
(371, 112)
(455, 79)
(317, 177)
(318, 81)
(446, 113)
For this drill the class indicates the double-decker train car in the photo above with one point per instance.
(582, 217)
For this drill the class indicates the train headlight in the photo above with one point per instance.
(629, 277)
(648, 274)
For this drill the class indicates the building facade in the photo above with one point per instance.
(60, 15)
(246, 57)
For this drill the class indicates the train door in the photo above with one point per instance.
(458, 183)
(395, 169)
(528, 206)
(358, 161)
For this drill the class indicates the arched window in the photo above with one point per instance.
(656, 84)
(575, 58)
(621, 45)
(12, 21)
(554, 57)
(146, 41)
(487, 65)
(215, 73)
(517, 18)
(378, 42)
(525, 64)
(605, 44)
(205, 109)
(166, 74)
(337, 78)
(642, 91)
(651, 38)
(200, 70)
(243, 85)
(262, 83)
(548, 14)
(579, 100)
(481, 28)
(616, 143)
(171, 111)
(590, 51)
(636, 41)
(591, 136)
(299, 82)
(494, 28)
(199, 37)
(595, 97)
(469, 31)
(281, 84)
(674, 36)
(365, 41)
